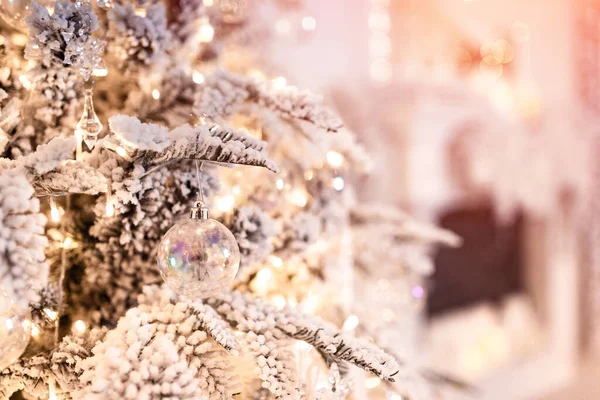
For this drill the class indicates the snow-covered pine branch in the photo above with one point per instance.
(407, 228)
(137, 40)
(248, 314)
(160, 349)
(224, 93)
(23, 266)
(152, 144)
(50, 170)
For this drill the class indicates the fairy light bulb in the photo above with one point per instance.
(89, 125)
(54, 212)
(110, 206)
(334, 159)
(198, 77)
(155, 94)
(206, 32)
(351, 323)
(79, 326)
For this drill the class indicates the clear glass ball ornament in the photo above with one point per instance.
(198, 257)
(14, 12)
(15, 330)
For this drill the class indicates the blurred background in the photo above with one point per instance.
(481, 117)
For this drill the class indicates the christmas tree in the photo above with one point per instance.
(176, 221)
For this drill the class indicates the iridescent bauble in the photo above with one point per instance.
(14, 12)
(15, 330)
(198, 258)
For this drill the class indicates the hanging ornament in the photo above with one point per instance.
(89, 126)
(15, 330)
(198, 257)
(14, 12)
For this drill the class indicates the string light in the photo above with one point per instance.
(350, 323)
(276, 261)
(279, 82)
(279, 301)
(372, 383)
(25, 81)
(198, 77)
(140, 11)
(338, 183)
(51, 391)
(279, 184)
(262, 281)
(155, 94)
(334, 159)
(121, 151)
(100, 72)
(206, 32)
(35, 331)
(110, 209)
(308, 175)
(54, 212)
(208, 3)
(51, 314)
(298, 197)
(19, 39)
(309, 23)
(80, 326)
(225, 203)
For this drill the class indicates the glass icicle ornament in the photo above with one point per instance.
(89, 126)
(15, 330)
(198, 257)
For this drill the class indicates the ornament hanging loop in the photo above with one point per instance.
(199, 211)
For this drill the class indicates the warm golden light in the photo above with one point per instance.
(25, 81)
(51, 314)
(208, 3)
(276, 261)
(298, 197)
(309, 23)
(121, 151)
(334, 159)
(279, 184)
(206, 32)
(350, 323)
(110, 209)
(372, 383)
(198, 77)
(54, 212)
(225, 203)
(279, 82)
(80, 326)
(155, 94)
(35, 331)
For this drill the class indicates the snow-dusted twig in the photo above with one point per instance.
(50, 170)
(23, 266)
(406, 228)
(250, 314)
(224, 93)
(150, 144)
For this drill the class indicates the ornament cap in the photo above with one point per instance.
(199, 211)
